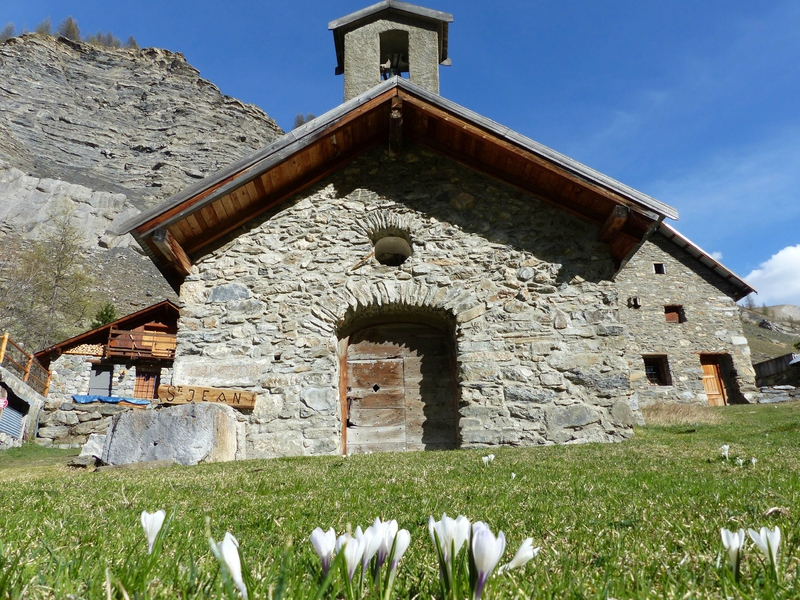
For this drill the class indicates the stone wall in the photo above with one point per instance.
(66, 424)
(711, 326)
(362, 55)
(526, 287)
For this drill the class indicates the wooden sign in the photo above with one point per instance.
(189, 394)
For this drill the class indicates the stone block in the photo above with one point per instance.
(90, 427)
(93, 446)
(319, 399)
(528, 394)
(188, 434)
(575, 415)
(228, 292)
(54, 432)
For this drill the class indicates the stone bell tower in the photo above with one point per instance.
(387, 39)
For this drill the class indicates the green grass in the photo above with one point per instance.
(639, 519)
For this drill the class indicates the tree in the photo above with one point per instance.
(8, 32)
(69, 29)
(301, 119)
(749, 303)
(107, 314)
(45, 27)
(106, 40)
(131, 43)
(45, 290)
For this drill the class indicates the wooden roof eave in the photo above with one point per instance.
(622, 193)
(182, 207)
(235, 175)
(740, 286)
(101, 333)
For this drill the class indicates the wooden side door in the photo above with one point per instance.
(712, 380)
(399, 390)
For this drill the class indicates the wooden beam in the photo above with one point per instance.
(172, 250)
(396, 127)
(614, 222)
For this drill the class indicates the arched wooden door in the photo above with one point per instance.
(400, 390)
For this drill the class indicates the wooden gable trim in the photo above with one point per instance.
(391, 113)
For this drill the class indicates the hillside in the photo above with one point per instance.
(108, 133)
(773, 334)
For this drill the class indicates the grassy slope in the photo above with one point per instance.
(766, 344)
(637, 519)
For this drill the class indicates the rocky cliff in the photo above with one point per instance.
(108, 133)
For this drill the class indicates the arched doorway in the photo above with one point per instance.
(399, 389)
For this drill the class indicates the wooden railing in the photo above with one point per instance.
(140, 344)
(24, 365)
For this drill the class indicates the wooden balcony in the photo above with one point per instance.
(152, 345)
(24, 365)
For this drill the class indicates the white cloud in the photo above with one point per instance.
(778, 279)
(716, 255)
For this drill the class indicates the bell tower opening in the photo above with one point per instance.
(394, 53)
(390, 39)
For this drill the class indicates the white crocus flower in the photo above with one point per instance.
(740, 461)
(324, 543)
(388, 531)
(525, 553)
(485, 460)
(724, 450)
(400, 547)
(228, 554)
(371, 539)
(768, 542)
(753, 461)
(513, 476)
(491, 458)
(353, 551)
(452, 534)
(152, 525)
(733, 543)
(486, 552)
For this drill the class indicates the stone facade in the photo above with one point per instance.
(524, 288)
(33, 399)
(67, 424)
(362, 54)
(711, 326)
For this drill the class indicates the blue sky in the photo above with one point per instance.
(694, 103)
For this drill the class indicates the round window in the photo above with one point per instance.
(392, 251)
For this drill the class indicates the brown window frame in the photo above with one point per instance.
(144, 387)
(656, 368)
(674, 313)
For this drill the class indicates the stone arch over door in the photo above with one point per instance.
(399, 389)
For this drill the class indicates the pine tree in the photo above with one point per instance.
(45, 27)
(131, 43)
(107, 314)
(8, 32)
(69, 29)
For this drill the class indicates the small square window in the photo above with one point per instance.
(659, 269)
(656, 369)
(674, 314)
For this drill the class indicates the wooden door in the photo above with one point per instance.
(712, 380)
(400, 390)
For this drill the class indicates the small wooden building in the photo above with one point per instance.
(129, 357)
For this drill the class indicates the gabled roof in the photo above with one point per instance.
(341, 26)
(165, 312)
(395, 111)
(740, 286)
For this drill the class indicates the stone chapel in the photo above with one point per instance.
(402, 273)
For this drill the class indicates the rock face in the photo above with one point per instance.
(136, 122)
(107, 133)
(188, 434)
